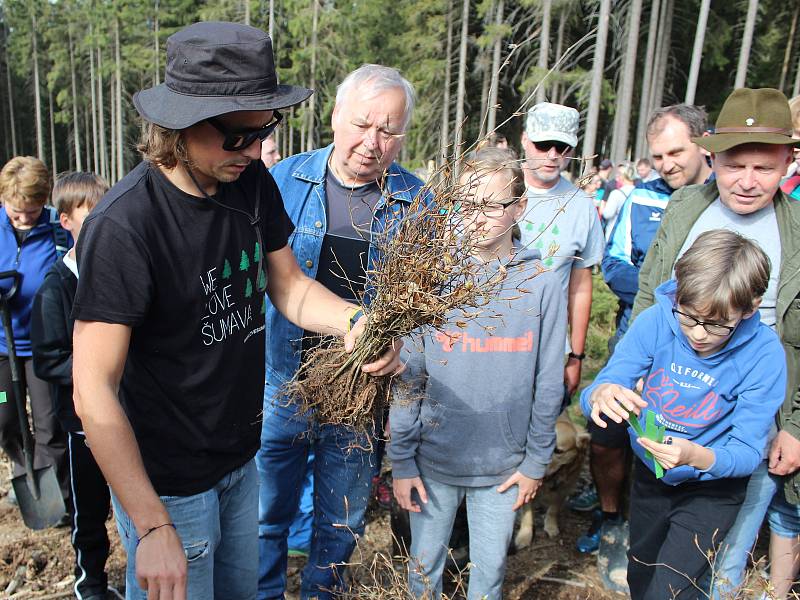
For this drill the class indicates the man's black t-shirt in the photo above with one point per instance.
(182, 272)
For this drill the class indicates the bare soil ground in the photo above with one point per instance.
(39, 564)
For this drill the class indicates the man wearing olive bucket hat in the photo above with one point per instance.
(170, 329)
(750, 150)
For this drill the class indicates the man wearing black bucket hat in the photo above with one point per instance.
(170, 328)
(750, 151)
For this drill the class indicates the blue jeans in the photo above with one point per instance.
(218, 530)
(303, 524)
(731, 559)
(491, 524)
(342, 479)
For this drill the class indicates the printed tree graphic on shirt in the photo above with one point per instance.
(262, 279)
(264, 306)
(248, 288)
(540, 241)
(257, 254)
(226, 270)
(244, 264)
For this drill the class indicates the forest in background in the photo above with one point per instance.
(69, 68)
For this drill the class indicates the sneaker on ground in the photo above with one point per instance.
(585, 500)
(589, 542)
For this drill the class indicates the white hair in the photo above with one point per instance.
(379, 78)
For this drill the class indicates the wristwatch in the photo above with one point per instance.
(580, 356)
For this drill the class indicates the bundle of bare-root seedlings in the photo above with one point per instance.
(423, 273)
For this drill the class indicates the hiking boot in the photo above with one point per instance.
(590, 541)
(585, 500)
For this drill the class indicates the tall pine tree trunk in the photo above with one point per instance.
(118, 124)
(625, 94)
(95, 132)
(462, 82)
(156, 47)
(662, 56)
(697, 51)
(311, 129)
(247, 12)
(562, 22)
(495, 83)
(595, 95)
(647, 76)
(53, 161)
(101, 118)
(448, 74)
(271, 21)
(11, 115)
(747, 42)
(787, 56)
(87, 136)
(76, 127)
(796, 86)
(37, 91)
(544, 49)
(112, 138)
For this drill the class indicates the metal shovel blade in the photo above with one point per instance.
(39, 498)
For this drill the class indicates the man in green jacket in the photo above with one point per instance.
(750, 150)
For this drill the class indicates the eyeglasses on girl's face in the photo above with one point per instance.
(239, 140)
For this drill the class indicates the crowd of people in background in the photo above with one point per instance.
(157, 323)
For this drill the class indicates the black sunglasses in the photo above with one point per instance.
(239, 140)
(560, 147)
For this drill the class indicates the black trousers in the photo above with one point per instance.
(672, 528)
(50, 447)
(91, 502)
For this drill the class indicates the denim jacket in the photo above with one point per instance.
(301, 181)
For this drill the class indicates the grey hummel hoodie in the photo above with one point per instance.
(479, 403)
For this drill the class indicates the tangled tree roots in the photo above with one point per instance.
(332, 387)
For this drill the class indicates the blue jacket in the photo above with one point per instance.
(630, 239)
(726, 401)
(301, 181)
(33, 260)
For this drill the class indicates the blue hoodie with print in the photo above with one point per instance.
(726, 401)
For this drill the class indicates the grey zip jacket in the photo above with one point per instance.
(475, 404)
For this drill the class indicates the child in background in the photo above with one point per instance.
(74, 195)
(714, 378)
(479, 419)
(31, 240)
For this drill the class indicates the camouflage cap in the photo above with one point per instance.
(552, 123)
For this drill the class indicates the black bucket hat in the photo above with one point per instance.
(215, 68)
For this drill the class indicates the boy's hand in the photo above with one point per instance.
(676, 451)
(526, 488)
(388, 364)
(402, 491)
(161, 565)
(615, 402)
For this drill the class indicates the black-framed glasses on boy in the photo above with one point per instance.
(711, 328)
(239, 140)
(560, 147)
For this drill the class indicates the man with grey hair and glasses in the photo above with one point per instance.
(338, 197)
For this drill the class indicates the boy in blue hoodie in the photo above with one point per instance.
(714, 379)
(478, 417)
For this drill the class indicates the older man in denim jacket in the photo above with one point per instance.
(338, 198)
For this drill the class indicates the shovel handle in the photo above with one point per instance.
(6, 295)
(16, 381)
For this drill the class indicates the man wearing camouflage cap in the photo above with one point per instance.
(561, 220)
(750, 151)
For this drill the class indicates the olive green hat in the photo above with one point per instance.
(751, 116)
